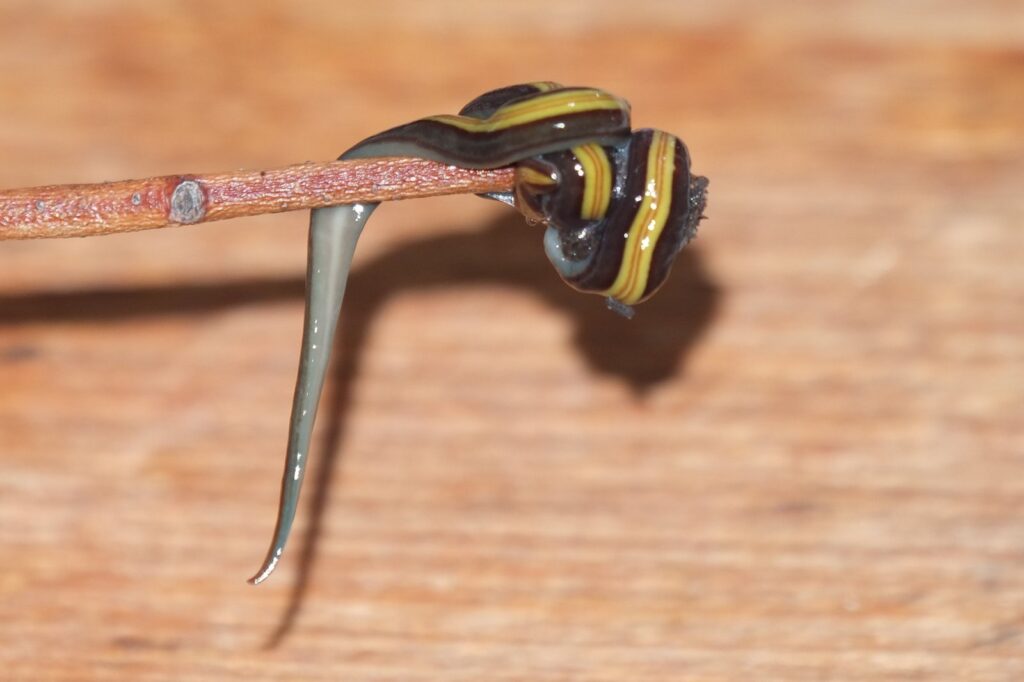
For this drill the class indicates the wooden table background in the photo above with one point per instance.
(803, 461)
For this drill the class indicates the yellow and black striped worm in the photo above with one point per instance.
(618, 205)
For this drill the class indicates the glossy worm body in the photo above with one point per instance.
(618, 205)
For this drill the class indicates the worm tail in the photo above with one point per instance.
(333, 233)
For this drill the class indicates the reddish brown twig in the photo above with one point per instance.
(127, 205)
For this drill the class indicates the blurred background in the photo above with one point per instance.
(802, 460)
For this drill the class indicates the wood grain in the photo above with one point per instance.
(801, 461)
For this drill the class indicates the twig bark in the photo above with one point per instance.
(128, 205)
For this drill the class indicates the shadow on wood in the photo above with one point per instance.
(642, 352)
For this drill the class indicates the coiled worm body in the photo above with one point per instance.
(618, 205)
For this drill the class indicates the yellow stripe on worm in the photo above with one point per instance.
(532, 176)
(545, 86)
(597, 178)
(631, 281)
(559, 103)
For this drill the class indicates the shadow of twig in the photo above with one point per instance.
(642, 352)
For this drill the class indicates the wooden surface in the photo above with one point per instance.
(803, 461)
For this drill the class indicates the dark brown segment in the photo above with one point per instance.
(486, 104)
